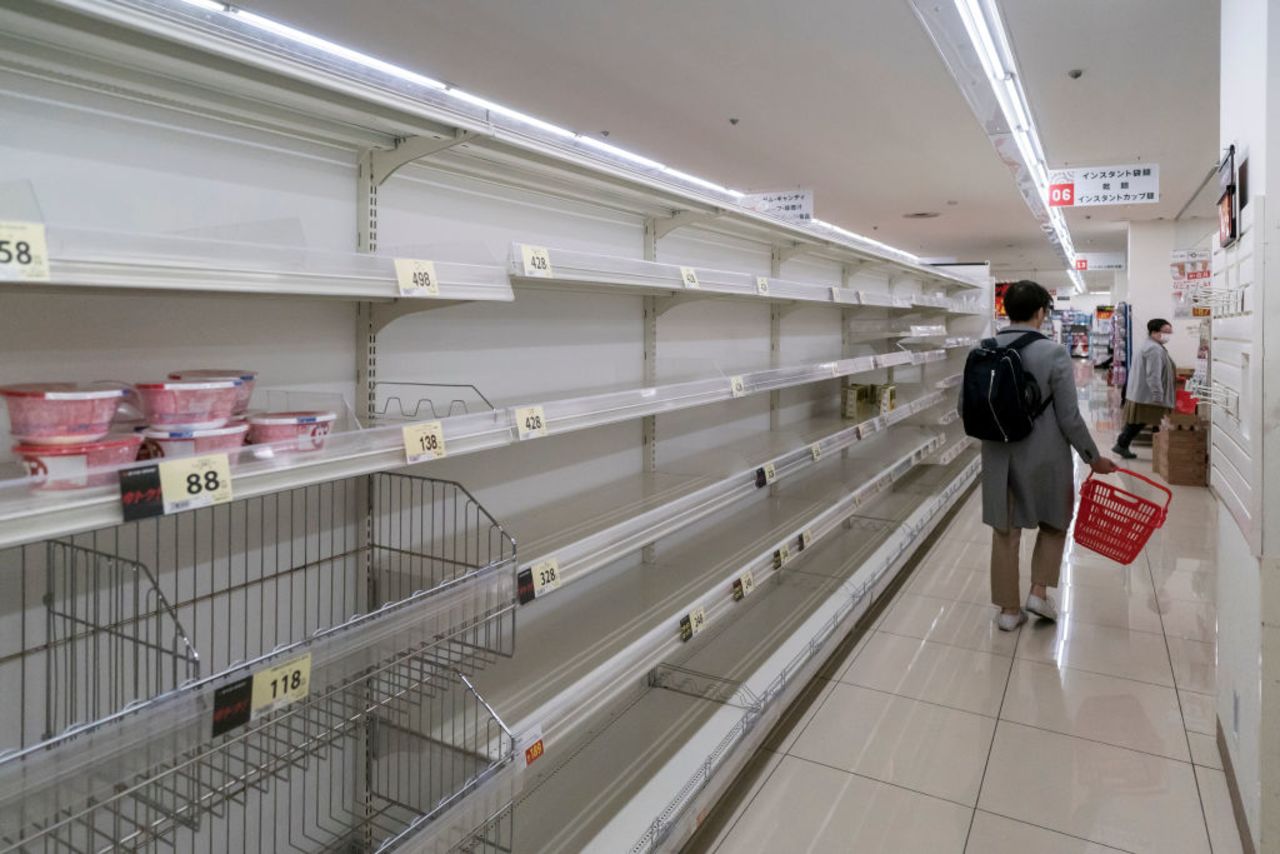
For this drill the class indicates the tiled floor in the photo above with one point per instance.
(942, 734)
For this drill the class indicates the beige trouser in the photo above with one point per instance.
(1046, 561)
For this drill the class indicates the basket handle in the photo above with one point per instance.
(1168, 493)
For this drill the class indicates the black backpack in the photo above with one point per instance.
(999, 400)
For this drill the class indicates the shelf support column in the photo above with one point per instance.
(777, 256)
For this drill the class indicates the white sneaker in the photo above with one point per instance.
(1045, 609)
(1009, 622)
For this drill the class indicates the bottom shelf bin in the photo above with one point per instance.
(408, 757)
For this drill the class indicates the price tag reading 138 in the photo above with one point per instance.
(423, 442)
(190, 482)
(24, 253)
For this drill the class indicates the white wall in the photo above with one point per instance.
(1148, 286)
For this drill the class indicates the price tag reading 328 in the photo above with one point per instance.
(546, 576)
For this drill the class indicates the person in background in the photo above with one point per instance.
(1030, 483)
(1149, 393)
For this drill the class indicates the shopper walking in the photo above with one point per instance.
(1149, 392)
(1029, 483)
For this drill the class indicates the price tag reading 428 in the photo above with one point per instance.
(537, 262)
(531, 423)
(423, 441)
(416, 278)
(190, 482)
(24, 252)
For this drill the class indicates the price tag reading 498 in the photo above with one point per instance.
(190, 482)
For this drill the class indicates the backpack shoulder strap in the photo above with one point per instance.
(989, 343)
(1024, 339)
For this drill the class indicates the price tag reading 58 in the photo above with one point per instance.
(24, 254)
(190, 482)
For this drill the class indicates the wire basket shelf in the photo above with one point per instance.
(390, 586)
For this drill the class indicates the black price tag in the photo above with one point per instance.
(140, 492)
(232, 705)
(686, 628)
(524, 586)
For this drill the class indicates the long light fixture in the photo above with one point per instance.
(973, 41)
(579, 141)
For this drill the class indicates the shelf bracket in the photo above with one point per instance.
(782, 253)
(656, 228)
(382, 313)
(664, 304)
(376, 165)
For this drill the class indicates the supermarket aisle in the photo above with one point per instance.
(941, 734)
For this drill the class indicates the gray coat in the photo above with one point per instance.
(1151, 375)
(1037, 471)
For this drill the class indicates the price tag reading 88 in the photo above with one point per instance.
(530, 422)
(190, 482)
(24, 252)
(537, 262)
(689, 277)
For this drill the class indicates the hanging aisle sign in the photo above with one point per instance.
(1095, 261)
(794, 205)
(1137, 184)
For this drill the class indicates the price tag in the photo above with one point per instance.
(743, 585)
(530, 422)
(815, 451)
(737, 387)
(692, 623)
(537, 262)
(835, 294)
(532, 746)
(689, 276)
(546, 576)
(423, 441)
(781, 556)
(762, 285)
(24, 252)
(191, 482)
(765, 475)
(416, 278)
(280, 686)
(806, 539)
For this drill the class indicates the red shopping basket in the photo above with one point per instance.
(1116, 523)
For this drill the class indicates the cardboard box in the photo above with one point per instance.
(863, 401)
(1181, 456)
(1175, 421)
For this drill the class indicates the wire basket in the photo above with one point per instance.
(1116, 523)
(392, 584)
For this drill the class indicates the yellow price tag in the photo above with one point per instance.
(423, 441)
(770, 473)
(530, 422)
(815, 451)
(692, 623)
(743, 585)
(417, 278)
(781, 556)
(190, 482)
(762, 285)
(737, 387)
(24, 252)
(806, 539)
(546, 576)
(689, 276)
(537, 262)
(280, 686)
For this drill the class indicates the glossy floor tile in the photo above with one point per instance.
(1122, 798)
(814, 808)
(1092, 735)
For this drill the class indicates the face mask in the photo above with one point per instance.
(1163, 337)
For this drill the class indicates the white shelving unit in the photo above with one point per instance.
(193, 173)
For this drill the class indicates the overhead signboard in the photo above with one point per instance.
(1093, 262)
(794, 205)
(1137, 184)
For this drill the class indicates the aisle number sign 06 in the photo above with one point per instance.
(689, 277)
(692, 623)
(24, 252)
(531, 423)
(423, 442)
(416, 278)
(173, 486)
(536, 262)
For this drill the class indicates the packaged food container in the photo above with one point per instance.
(79, 466)
(188, 404)
(60, 413)
(306, 429)
(161, 444)
(247, 379)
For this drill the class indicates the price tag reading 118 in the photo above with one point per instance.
(423, 441)
(24, 253)
(190, 482)
(280, 686)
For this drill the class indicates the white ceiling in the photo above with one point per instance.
(849, 98)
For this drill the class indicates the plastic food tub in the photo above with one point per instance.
(60, 413)
(247, 380)
(306, 430)
(188, 404)
(190, 443)
(79, 466)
